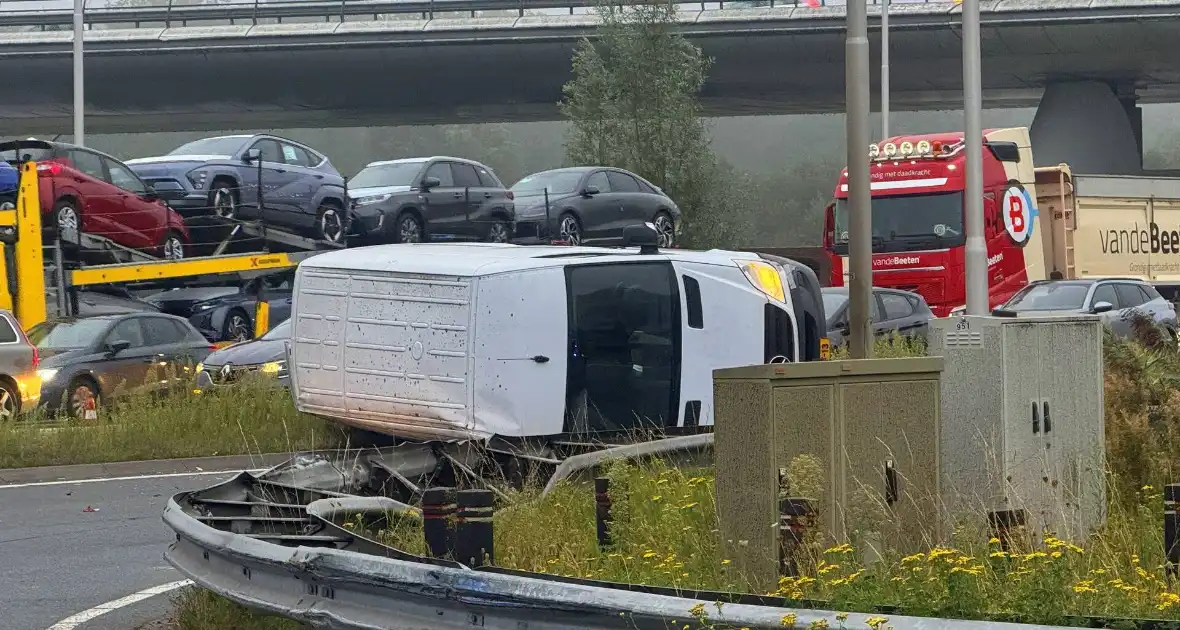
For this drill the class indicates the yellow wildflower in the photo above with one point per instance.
(993, 541)
(844, 548)
(939, 552)
(819, 624)
(697, 610)
(1085, 586)
(914, 558)
(876, 622)
(841, 617)
(1167, 600)
(788, 620)
(998, 554)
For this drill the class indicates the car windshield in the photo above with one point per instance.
(558, 183)
(1054, 296)
(282, 331)
(833, 302)
(909, 222)
(390, 174)
(226, 145)
(67, 335)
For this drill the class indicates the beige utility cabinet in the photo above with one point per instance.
(872, 425)
(1023, 431)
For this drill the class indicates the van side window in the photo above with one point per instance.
(692, 297)
(624, 346)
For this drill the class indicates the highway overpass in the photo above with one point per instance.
(410, 68)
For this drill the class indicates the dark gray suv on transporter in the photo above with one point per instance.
(413, 200)
(301, 190)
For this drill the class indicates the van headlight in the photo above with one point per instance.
(277, 368)
(47, 374)
(765, 277)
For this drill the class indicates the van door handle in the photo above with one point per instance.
(280, 170)
(487, 195)
(458, 195)
(1035, 419)
(1045, 415)
(540, 358)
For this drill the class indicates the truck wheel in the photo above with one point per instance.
(67, 219)
(81, 391)
(173, 246)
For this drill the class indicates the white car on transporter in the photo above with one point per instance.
(475, 340)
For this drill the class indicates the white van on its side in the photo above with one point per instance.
(474, 340)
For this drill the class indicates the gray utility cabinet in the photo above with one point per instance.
(1023, 428)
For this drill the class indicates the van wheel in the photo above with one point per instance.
(499, 232)
(173, 246)
(408, 228)
(67, 219)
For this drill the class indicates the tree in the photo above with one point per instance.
(633, 104)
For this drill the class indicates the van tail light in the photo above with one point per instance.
(830, 226)
(36, 358)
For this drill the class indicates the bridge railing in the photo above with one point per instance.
(58, 14)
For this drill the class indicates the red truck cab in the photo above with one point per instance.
(918, 185)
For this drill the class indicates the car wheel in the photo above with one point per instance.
(9, 402)
(224, 200)
(67, 219)
(408, 228)
(569, 229)
(329, 224)
(665, 229)
(237, 327)
(173, 246)
(82, 392)
(499, 232)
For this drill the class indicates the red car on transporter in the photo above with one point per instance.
(81, 184)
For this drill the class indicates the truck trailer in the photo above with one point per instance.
(1039, 223)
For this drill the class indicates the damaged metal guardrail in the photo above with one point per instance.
(277, 542)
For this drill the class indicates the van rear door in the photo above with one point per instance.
(386, 351)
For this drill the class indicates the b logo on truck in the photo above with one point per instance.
(1018, 215)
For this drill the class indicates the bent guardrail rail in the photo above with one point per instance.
(341, 580)
(98, 12)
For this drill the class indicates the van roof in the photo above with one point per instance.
(481, 259)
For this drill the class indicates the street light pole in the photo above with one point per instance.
(79, 100)
(860, 246)
(976, 254)
(884, 68)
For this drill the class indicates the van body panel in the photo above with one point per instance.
(389, 348)
(521, 346)
(730, 337)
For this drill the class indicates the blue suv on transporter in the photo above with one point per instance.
(301, 190)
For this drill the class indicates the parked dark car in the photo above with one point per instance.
(413, 200)
(266, 355)
(227, 313)
(590, 205)
(893, 311)
(9, 183)
(301, 189)
(97, 359)
(109, 300)
(83, 188)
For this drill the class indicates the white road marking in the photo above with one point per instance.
(73, 621)
(66, 482)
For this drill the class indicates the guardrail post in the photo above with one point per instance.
(438, 510)
(1172, 529)
(473, 528)
(796, 516)
(602, 517)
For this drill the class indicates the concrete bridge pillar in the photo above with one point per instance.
(1090, 127)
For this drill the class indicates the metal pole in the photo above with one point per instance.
(976, 254)
(860, 248)
(79, 101)
(884, 68)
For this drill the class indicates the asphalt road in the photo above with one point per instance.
(59, 559)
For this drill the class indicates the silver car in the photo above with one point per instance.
(1114, 299)
(20, 386)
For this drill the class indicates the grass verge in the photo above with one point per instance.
(198, 609)
(665, 532)
(255, 417)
